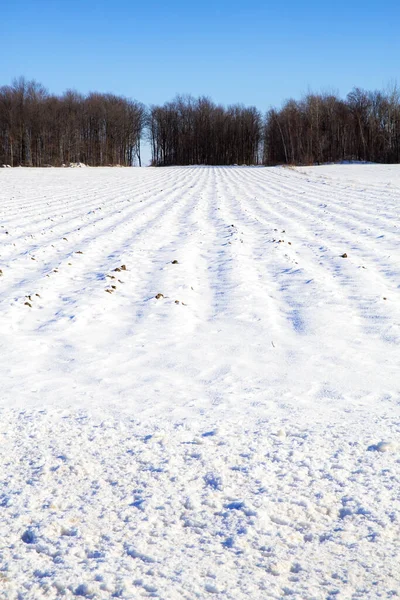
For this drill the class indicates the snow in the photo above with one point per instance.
(236, 436)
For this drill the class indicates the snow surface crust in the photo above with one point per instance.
(239, 436)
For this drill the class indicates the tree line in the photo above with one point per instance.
(323, 128)
(38, 129)
(190, 131)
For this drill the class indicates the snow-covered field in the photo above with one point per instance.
(225, 439)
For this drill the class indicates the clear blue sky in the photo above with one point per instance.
(150, 50)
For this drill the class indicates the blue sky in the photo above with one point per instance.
(150, 51)
(259, 54)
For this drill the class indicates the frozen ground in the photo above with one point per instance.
(225, 439)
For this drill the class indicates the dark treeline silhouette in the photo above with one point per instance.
(38, 129)
(189, 131)
(323, 128)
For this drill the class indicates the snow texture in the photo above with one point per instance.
(200, 383)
